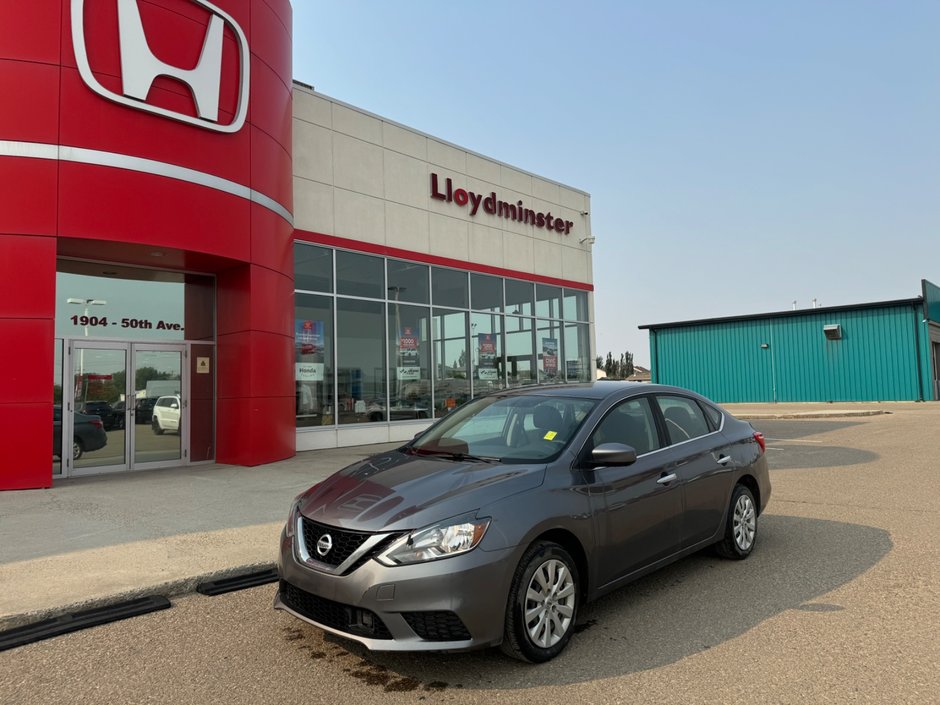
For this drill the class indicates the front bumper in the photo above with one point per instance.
(453, 604)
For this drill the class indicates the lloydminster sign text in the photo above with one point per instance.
(511, 211)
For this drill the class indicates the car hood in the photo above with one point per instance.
(397, 491)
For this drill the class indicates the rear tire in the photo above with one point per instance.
(78, 448)
(740, 526)
(543, 604)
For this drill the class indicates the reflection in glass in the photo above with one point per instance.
(449, 287)
(159, 408)
(576, 305)
(313, 267)
(486, 293)
(548, 343)
(520, 351)
(95, 300)
(547, 301)
(360, 275)
(409, 350)
(57, 412)
(519, 297)
(578, 367)
(486, 342)
(99, 382)
(313, 360)
(407, 282)
(451, 383)
(360, 354)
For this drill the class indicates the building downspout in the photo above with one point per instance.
(920, 372)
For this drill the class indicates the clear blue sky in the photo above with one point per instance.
(740, 155)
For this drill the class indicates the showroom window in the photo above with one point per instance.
(547, 301)
(451, 381)
(313, 268)
(486, 342)
(407, 282)
(360, 275)
(380, 339)
(520, 351)
(449, 287)
(548, 341)
(313, 359)
(409, 364)
(360, 360)
(519, 297)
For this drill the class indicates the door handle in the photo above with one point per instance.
(724, 460)
(666, 479)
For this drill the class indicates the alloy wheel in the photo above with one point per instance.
(744, 522)
(549, 603)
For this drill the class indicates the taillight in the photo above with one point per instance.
(97, 423)
(759, 437)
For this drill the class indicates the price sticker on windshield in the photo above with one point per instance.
(550, 436)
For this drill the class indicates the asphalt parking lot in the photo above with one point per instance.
(838, 604)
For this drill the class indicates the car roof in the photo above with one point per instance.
(601, 389)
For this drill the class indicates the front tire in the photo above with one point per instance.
(543, 604)
(155, 425)
(740, 526)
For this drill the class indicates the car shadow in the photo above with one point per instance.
(794, 456)
(680, 611)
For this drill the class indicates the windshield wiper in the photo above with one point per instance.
(453, 455)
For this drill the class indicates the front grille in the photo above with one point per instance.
(345, 618)
(437, 626)
(345, 542)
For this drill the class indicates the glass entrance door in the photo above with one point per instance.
(160, 429)
(93, 421)
(124, 406)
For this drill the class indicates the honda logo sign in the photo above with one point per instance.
(139, 66)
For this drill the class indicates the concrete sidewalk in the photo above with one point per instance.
(88, 542)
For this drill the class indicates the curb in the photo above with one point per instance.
(169, 588)
(812, 414)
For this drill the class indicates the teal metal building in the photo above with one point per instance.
(883, 351)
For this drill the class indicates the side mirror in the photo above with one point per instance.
(613, 454)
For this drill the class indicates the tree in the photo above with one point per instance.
(626, 364)
(599, 362)
(617, 369)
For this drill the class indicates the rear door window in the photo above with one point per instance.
(684, 418)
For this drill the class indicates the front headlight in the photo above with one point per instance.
(449, 538)
(291, 527)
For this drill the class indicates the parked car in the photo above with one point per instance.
(118, 415)
(143, 409)
(499, 521)
(166, 414)
(103, 410)
(88, 433)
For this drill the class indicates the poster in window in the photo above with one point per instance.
(409, 361)
(486, 370)
(550, 356)
(309, 345)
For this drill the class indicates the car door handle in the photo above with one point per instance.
(666, 479)
(724, 460)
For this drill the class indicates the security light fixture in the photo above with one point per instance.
(589, 240)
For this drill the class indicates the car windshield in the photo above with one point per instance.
(511, 429)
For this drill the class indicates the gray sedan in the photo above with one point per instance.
(497, 523)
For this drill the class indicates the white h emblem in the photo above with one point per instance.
(139, 67)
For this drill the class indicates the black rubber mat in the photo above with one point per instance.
(237, 582)
(73, 622)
